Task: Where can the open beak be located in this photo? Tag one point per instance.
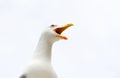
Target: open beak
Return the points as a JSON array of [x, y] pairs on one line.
[[59, 30]]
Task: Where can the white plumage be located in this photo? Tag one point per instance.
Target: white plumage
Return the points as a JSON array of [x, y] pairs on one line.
[[40, 65]]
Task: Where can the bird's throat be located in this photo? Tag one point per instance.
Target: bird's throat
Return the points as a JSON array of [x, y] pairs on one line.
[[43, 50]]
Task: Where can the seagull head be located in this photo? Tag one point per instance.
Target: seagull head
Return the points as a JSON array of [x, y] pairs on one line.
[[54, 32]]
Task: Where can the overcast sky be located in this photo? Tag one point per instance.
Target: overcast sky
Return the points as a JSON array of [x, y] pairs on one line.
[[93, 48]]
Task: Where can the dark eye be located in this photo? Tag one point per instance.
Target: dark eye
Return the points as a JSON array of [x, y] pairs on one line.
[[53, 25]]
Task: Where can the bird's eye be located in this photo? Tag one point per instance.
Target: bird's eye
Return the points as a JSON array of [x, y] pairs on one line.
[[53, 25]]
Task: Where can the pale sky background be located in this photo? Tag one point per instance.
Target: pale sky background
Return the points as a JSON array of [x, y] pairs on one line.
[[93, 48]]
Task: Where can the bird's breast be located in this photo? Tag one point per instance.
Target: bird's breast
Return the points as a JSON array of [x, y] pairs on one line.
[[40, 70]]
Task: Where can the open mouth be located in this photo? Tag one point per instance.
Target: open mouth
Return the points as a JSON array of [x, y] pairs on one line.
[[59, 31]]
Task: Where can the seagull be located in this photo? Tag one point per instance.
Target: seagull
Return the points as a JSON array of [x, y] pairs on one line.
[[40, 65]]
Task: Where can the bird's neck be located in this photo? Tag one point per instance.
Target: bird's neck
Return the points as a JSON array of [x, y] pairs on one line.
[[43, 50]]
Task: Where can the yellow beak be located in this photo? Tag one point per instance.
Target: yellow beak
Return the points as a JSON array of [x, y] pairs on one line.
[[59, 30]]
